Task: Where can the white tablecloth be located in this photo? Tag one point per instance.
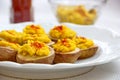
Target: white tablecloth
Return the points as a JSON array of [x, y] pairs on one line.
[[110, 18]]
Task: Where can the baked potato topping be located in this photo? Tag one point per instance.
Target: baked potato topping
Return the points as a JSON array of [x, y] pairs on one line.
[[34, 48], [39, 37], [14, 46], [33, 29], [64, 45], [11, 36], [83, 43], [62, 31]]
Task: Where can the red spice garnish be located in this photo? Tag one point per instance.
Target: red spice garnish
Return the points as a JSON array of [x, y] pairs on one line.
[[82, 37], [9, 32], [59, 28], [13, 42], [64, 42], [37, 44], [34, 27]]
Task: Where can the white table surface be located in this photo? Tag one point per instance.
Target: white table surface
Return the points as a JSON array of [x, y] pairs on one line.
[[110, 18]]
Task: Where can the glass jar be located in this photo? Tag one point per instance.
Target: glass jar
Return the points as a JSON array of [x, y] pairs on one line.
[[21, 11]]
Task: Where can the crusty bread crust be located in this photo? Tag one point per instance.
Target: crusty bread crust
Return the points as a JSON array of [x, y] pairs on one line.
[[50, 43], [28, 59], [86, 53], [69, 57], [7, 54], [53, 39]]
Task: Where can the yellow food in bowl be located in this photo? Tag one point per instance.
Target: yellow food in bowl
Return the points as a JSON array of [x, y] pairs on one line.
[[60, 32], [34, 48], [39, 37], [64, 45], [4, 43], [33, 29], [11, 36], [83, 43], [76, 14]]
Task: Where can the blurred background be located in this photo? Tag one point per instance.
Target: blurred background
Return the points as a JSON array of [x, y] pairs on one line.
[[43, 13]]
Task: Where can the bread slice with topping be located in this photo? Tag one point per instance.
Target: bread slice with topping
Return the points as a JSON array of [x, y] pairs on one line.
[[87, 47], [8, 51], [89, 52], [68, 57], [66, 51], [35, 52], [7, 54], [61, 32]]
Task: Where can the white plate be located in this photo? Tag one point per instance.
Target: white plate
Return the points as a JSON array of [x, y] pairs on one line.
[[109, 50]]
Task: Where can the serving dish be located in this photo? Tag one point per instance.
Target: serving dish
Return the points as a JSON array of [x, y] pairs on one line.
[[83, 12], [109, 50]]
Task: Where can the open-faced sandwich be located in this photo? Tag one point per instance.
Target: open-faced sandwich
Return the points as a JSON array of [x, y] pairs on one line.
[[87, 47], [35, 52], [66, 51], [61, 32], [8, 50], [36, 32]]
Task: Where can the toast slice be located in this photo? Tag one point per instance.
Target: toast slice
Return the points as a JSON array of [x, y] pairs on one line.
[[36, 59], [69, 57], [7, 54], [86, 53]]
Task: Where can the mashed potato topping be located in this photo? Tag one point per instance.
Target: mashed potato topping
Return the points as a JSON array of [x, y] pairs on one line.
[[60, 32], [9, 44], [83, 43], [33, 29], [39, 37], [34, 48], [11, 35], [64, 45]]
